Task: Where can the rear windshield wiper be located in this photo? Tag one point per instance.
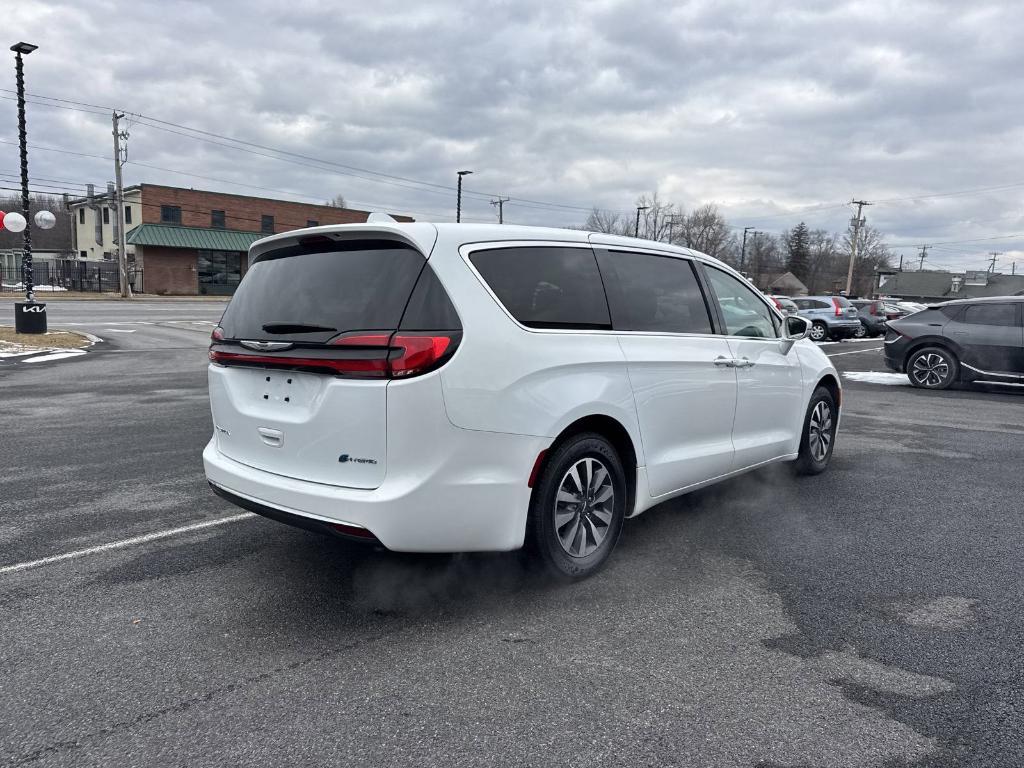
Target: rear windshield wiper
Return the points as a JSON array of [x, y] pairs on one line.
[[296, 328]]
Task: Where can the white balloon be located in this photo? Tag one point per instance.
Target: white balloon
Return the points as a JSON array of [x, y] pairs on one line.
[[45, 220], [15, 222]]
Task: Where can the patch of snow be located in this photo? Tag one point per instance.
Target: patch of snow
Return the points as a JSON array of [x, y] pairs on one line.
[[56, 356], [878, 377]]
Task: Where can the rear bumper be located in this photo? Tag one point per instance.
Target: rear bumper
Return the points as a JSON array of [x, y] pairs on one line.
[[474, 497], [844, 329]]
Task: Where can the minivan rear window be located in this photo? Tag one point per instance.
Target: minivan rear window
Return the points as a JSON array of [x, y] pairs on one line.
[[546, 286], [312, 294]]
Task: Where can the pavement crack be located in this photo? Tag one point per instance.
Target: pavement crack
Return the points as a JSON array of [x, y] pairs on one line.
[[186, 704]]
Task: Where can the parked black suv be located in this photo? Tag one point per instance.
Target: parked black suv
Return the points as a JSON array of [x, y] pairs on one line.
[[968, 340]]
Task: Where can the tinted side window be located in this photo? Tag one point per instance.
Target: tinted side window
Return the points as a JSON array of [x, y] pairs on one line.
[[546, 286], [653, 293], [429, 308], [745, 314], [991, 314]]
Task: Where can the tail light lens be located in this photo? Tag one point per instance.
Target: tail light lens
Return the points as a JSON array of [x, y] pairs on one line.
[[378, 355]]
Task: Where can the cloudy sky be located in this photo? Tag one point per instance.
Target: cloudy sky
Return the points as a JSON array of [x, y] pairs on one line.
[[775, 111]]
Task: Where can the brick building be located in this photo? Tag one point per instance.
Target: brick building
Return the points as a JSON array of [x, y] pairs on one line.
[[189, 241]]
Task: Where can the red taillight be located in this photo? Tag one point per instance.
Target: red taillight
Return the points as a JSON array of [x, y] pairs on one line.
[[366, 355], [838, 306]]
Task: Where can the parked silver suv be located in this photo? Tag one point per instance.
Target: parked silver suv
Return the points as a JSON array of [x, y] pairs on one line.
[[832, 317]]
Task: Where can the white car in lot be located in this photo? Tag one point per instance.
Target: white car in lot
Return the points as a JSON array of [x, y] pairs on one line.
[[440, 388]]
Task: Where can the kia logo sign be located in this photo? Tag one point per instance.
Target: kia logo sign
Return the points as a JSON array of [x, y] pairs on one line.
[[34, 308]]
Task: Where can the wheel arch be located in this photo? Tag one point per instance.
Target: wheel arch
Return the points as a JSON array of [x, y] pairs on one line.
[[616, 433]]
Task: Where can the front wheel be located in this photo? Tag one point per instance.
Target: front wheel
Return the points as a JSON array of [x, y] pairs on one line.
[[577, 508], [932, 368], [819, 331], [819, 433]]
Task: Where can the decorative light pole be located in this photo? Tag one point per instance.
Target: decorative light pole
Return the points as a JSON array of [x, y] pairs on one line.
[[458, 200], [29, 317]]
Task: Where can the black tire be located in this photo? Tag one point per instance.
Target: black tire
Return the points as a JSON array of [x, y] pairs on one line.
[[543, 540], [933, 368], [819, 331], [812, 460]]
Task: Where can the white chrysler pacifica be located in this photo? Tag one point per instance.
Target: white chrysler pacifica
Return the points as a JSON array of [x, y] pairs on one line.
[[440, 388]]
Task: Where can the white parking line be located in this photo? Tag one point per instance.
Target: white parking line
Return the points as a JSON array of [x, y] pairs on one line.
[[872, 349], [123, 543]]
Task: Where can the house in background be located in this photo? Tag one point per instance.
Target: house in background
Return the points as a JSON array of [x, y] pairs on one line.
[[189, 242], [930, 286]]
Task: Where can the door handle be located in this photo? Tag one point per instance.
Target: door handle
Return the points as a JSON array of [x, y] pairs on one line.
[[724, 362]]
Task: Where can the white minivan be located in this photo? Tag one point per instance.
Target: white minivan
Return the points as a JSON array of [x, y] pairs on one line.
[[455, 387]]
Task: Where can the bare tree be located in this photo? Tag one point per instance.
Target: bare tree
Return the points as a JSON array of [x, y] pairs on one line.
[[608, 222], [705, 229]]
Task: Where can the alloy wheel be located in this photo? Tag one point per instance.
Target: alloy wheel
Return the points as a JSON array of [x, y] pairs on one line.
[[930, 369], [819, 437], [584, 507]]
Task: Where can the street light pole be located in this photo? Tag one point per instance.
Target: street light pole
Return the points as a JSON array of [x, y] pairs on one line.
[[29, 317], [636, 229], [458, 201], [19, 76]]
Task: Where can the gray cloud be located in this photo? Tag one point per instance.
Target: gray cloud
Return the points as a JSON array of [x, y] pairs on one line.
[[766, 109]]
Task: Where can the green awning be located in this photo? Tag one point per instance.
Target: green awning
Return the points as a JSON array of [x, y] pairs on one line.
[[172, 236]]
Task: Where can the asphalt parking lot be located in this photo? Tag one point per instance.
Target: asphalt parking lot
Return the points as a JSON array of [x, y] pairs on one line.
[[868, 616]]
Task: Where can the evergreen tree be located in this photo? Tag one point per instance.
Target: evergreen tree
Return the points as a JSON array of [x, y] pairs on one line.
[[798, 243]]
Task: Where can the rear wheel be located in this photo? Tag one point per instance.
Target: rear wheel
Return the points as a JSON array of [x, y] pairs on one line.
[[819, 433], [932, 368], [577, 508], [819, 331]]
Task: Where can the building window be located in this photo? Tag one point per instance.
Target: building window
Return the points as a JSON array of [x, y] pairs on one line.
[[219, 272], [81, 215], [170, 214], [217, 219], [312, 223], [106, 215], [267, 224], [127, 214]]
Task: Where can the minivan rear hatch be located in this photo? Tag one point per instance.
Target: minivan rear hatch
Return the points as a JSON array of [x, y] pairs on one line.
[[305, 350]]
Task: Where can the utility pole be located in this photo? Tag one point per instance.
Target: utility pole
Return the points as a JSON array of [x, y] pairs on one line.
[[924, 254], [857, 223], [458, 199], [743, 250], [120, 157], [636, 229], [500, 202], [992, 266]]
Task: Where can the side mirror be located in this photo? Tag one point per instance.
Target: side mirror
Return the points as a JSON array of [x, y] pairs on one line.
[[794, 328], [797, 327]]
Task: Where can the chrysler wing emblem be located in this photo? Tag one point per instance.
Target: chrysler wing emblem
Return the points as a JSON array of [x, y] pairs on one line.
[[267, 346]]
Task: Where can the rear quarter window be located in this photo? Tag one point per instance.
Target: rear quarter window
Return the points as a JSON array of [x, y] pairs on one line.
[[546, 286]]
